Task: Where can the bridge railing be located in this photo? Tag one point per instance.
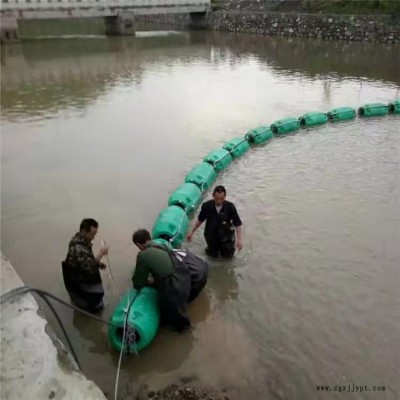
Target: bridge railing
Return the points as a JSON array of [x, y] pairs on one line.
[[12, 5]]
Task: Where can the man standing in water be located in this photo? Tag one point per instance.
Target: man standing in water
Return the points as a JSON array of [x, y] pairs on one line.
[[81, 274], [222, 219]]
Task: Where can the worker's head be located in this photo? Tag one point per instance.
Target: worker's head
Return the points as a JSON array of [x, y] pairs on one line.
[[219, 195], [141, 237], [88, 228]]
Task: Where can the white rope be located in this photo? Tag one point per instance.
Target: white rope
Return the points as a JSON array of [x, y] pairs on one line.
[[122, 350], [177, 233], [103, 243], [119, 364]]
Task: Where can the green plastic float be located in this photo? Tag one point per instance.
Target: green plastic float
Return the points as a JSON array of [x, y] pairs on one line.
[[171, 225], [143, 317], [373, 110], [259, 135], [203, 175], [313, 118], [285, 125], [341, 114], [219, 159], [187, 196], [237, 146], [394, 106]]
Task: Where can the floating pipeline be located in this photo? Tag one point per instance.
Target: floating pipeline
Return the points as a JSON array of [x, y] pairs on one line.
[[141, 324], [220, 159], [394, 107], [285, 125], [259, 135], [186, 196], [373, 110], [237, 146], [341, 114], [203, 175], [313, 119], [172, 224]]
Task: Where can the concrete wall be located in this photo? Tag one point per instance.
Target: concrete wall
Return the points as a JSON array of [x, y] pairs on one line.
[[34, 363], [376, 28]]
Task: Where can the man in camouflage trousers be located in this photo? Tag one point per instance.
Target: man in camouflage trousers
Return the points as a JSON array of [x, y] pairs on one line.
[[81, 268]]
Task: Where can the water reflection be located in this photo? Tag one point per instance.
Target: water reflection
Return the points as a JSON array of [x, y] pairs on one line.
[[50, 75], [313, 57]]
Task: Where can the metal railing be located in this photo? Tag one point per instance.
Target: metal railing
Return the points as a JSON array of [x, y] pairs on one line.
[[12, 5]]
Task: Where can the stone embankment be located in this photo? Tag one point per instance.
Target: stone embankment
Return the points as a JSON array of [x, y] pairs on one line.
[[252, 17], [376, 28]]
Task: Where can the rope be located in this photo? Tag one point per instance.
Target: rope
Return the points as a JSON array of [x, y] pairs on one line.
[[226, 155], [131, 338], [110, 277], [177, 232], [120, 358], [127, 310], [108, 262]]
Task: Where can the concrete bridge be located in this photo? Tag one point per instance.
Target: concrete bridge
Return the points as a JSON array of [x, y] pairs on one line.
[[119, 15]]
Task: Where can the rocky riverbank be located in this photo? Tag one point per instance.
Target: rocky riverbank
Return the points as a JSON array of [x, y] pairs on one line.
[[254, 17], [184, 389], [188, 392], [377, 28]]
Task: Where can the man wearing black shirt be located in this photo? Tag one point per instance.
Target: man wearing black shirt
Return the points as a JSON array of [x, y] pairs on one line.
[[221, 219]]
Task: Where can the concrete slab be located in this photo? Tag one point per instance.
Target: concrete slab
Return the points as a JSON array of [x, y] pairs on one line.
[[34, 363]]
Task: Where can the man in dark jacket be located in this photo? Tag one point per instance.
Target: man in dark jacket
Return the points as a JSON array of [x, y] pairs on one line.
[[158, 267], [81, 268], [178, 277], [222, 220]]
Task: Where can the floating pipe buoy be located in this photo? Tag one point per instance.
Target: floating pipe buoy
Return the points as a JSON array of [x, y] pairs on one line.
[[237, 146], [373, 109], [313, 118], [394, 107], [285, 125], [203, 175], [172, 225], [341, 114], [219, 159], [259, 135], [186, 196], [142, 321]]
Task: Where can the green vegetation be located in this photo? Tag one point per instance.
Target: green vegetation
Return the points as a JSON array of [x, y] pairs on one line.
[[352, 6]]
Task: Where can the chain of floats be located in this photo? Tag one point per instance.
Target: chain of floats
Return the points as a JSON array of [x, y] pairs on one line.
[[218, 160]]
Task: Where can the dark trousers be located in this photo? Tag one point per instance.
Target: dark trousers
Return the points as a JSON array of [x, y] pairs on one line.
[[86, 295], [174, 293], [198, 269], [220, 244]]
